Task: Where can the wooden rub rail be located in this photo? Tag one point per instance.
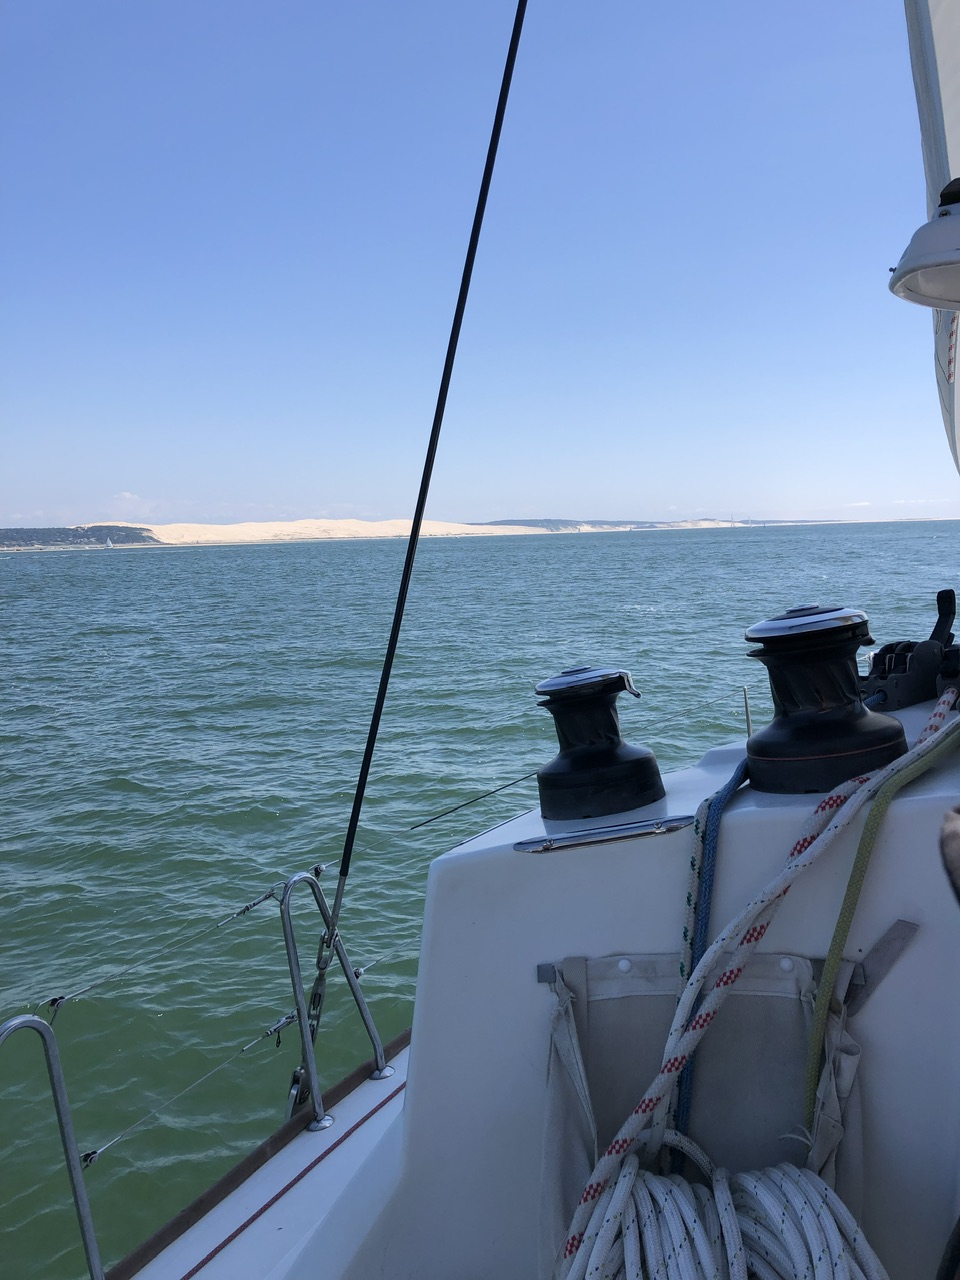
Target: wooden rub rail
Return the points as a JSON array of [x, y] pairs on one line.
[[135, 1261]]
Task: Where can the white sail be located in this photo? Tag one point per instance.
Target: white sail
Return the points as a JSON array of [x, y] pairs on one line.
[[934, 30]]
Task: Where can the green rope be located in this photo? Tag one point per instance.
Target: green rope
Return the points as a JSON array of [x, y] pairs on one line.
[[831, 966]]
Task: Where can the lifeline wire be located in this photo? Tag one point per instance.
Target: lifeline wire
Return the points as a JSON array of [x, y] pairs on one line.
[[177, 942], [473, 800], [417, 522], [55, 1003], [90, 1157]]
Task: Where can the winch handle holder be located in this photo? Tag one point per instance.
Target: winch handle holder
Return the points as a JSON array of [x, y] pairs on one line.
[[906, 672], [946, 616]]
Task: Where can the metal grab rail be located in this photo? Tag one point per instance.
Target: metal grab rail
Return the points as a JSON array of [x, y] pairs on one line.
[[382, 1071], [71, 1151]]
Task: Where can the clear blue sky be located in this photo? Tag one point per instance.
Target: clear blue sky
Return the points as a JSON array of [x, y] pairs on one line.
[[231, 234]]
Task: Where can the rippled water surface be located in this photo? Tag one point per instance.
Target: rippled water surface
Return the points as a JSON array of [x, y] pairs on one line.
[[182, 728]]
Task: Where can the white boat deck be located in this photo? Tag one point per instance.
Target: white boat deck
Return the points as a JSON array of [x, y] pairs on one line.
[[443, 1180]]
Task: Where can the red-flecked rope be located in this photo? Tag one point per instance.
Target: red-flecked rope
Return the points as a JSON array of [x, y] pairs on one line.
[[592, 1222]]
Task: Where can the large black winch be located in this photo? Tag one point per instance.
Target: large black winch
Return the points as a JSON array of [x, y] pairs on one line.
[[596, 772], [821, 733]]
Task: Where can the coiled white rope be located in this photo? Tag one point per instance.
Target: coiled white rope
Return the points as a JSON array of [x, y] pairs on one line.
[[778, 1224]]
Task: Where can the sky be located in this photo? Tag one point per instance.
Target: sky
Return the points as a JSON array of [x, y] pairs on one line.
[[231, 237]]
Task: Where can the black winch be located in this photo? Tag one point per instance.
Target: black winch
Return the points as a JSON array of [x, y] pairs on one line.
[[596, 772], [821, 733]]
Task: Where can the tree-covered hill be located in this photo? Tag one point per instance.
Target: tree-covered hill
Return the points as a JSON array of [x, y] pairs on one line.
[[81, 535]]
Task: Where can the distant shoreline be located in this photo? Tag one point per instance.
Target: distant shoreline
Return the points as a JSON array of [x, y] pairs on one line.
[[119, 535]]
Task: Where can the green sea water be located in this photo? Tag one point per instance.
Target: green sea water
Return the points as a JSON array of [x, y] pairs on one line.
[[181, 729]]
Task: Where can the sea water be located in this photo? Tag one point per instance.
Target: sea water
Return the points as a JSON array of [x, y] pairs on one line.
[[182, 729]]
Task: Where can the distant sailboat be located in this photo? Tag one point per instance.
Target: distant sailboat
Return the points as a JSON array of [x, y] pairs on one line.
[[109, 545]]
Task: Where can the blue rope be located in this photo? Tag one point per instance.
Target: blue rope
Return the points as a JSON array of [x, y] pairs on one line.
[[701, 933]]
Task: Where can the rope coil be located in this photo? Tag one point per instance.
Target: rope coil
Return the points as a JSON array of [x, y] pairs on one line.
[[781, 1222]]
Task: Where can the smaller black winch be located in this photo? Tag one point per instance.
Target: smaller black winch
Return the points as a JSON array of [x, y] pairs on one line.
[[596, 772], [821, 733]]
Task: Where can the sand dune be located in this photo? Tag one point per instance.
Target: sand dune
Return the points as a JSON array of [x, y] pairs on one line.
[[305, 530]]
